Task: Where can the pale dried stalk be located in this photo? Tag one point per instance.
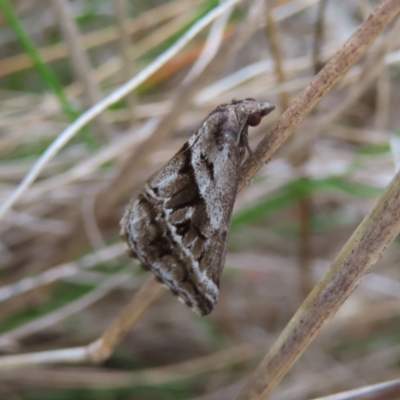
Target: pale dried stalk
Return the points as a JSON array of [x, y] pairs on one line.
[[103, 347]]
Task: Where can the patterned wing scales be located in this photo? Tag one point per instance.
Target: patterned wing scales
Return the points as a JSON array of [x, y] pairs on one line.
[[174, 230]]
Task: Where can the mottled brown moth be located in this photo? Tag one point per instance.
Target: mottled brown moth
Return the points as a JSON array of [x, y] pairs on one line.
[[178, 224]]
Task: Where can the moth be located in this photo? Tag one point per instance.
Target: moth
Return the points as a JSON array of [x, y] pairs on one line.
[[178, 224]]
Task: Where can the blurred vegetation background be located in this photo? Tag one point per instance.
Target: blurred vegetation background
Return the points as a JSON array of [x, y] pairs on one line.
[[64, 272]]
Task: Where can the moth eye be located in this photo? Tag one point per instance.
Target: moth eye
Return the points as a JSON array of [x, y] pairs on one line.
[[249, 98], [254, 118]]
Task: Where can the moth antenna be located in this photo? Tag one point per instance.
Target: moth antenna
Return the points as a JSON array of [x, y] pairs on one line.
[[248, 148], [241, 131]]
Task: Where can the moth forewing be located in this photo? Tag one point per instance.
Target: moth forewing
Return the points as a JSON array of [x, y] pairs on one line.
[[178, 224]]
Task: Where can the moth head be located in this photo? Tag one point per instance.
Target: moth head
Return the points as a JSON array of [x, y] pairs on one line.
[[251, 111]]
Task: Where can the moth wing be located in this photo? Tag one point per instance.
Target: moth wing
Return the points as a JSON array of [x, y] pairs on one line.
[[178, 226]]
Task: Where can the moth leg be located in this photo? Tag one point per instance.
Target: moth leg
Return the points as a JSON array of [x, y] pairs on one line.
[[251, 153]]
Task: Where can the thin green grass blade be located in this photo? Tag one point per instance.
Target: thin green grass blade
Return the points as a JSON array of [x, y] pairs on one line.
[[45, 72]]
